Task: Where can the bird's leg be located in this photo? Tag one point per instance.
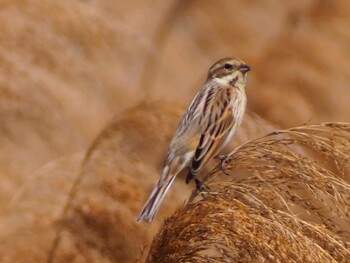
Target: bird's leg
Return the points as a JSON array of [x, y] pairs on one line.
[[221, 157], [200, 186]]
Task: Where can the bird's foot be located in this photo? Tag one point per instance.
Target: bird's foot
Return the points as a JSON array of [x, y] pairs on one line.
[[200, 187], [223, 169], [220, 157]]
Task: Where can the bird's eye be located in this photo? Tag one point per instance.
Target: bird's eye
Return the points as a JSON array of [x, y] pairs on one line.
[[228, 66]]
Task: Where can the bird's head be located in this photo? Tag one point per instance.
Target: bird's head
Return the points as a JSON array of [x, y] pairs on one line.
[[229, 71]]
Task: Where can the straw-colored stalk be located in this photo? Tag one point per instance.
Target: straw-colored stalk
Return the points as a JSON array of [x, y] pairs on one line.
[[286, 199]]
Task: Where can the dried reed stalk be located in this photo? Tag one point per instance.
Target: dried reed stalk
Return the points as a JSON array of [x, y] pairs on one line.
[[286, 199]]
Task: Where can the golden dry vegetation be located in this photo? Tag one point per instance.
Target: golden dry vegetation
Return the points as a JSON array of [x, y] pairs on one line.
[[280, 203], [91, 93]]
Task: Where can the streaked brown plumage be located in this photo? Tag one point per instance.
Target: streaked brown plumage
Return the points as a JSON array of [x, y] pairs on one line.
[[208, 125]]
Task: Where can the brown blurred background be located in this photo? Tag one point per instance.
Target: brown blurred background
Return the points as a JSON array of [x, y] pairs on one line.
[[69, 69]]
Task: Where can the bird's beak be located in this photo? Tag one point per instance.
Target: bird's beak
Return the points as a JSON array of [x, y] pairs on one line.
[[244, 68]]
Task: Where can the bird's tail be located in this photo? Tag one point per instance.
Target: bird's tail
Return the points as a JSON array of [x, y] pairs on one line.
[[153, 203]]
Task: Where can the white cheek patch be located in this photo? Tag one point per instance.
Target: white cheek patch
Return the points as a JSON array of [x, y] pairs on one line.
[[226, 80]]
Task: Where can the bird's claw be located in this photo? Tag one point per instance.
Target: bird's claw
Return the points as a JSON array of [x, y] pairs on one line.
[[200, 187], [223, 169], [220, 157]]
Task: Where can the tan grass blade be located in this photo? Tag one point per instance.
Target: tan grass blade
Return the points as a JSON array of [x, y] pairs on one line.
[[286, 199]]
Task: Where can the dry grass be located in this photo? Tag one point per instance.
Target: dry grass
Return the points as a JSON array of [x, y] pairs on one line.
[[285, 200], [118, 171], [68, 67], [85, 206]]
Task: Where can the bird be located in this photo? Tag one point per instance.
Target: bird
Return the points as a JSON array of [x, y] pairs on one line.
[[207, 126]]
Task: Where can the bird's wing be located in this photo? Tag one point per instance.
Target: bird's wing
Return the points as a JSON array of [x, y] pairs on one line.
[[217, 122]]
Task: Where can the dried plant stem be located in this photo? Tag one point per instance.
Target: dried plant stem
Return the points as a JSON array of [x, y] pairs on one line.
[[286, 199], [72, 194]]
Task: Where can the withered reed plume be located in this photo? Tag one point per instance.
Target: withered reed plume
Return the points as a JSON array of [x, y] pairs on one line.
[[286, 199], [107, 169]]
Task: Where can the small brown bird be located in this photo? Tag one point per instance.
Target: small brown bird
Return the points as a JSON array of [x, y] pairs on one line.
[[206, 128]]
